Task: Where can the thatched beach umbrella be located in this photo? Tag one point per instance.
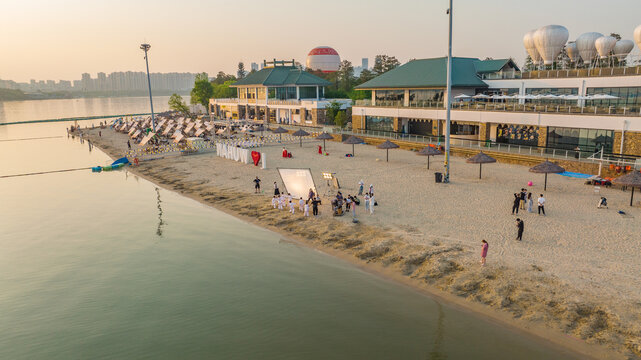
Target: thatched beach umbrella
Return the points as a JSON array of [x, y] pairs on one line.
[[300, 133], [481, 158], [353, 140], [632, 179], [324, 136], [429, 152], [280, 131], [546, 168], [386, 146]]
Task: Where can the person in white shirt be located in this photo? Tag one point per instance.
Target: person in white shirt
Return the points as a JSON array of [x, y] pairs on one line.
[[360, 187], [541, 202], [301, 204], [281, 202], [292, 209], [306, 211], [372, 202], [274, 201]]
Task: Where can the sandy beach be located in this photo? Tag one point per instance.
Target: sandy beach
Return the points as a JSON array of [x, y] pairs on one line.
[[575, 270]]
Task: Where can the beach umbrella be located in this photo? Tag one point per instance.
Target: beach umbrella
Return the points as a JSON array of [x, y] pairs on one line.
[[429, 152], [546, 168], [481, 158], [386, 146], [353, 140], [280, 131], [300, 133], [260, 128], [632, 179], [324, 136]]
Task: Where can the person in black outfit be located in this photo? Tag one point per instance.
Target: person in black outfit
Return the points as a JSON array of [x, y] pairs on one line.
[[128, 145], [315, 204], [515, 205], [276, 191], [519, 226], [256, 185]]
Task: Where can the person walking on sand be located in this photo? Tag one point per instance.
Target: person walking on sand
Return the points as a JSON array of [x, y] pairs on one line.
[[128, 145], [366, 202], [256, 185], [360, 187], [306, 210], [301, 204], [515, 204], [292, 208], [371, 190], [529, 202], [541, 202], [315, 204], [276, 191], [372, 203], [275, 201], [522, 195], [519, 227], [484, 248], [281, 202]]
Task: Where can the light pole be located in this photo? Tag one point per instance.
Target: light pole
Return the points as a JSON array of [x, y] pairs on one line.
[[145, 48], [448, 105]]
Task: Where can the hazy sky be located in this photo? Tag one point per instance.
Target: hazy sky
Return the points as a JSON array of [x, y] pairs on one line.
[[60, 39]]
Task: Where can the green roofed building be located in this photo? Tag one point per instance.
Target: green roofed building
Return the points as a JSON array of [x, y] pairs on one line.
[[281, 93], [493, 101]]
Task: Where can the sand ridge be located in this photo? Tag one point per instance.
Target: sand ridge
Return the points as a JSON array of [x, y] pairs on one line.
[[574, 271]]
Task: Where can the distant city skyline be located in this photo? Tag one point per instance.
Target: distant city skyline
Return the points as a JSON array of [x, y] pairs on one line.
[[112, 82], [56, 39]]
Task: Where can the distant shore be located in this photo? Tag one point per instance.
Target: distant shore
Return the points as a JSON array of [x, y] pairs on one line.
[[17, 95], [411, 244]]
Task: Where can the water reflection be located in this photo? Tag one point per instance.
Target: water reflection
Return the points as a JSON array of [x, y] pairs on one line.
[[160, 222], [437, 351]]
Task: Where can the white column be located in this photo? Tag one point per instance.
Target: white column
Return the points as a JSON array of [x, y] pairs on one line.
[[278, 115], [317, 93], [297, 92]]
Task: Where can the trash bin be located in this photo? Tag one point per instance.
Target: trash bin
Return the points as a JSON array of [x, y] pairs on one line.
[[438, 177]]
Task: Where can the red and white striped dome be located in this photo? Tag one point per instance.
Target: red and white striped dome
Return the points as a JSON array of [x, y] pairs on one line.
[[323, 58]]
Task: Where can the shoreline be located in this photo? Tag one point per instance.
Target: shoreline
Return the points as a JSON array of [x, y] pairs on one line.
[[435, 271]]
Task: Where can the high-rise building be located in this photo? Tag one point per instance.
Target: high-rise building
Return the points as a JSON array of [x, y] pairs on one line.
[[365, 63], [254, 66]]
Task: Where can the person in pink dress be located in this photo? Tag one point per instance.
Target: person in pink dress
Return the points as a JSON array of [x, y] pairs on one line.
[[484, 252]]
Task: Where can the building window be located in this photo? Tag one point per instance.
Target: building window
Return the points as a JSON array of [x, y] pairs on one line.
[[517, 135], [629, 97], [379, 123], [464, 129], [307, 92], [389, 97], [427, 98], [551, 91], [271, 93], [261, 93], [585, 139]]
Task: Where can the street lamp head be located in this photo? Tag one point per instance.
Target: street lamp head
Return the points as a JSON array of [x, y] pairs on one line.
[[145, 47]]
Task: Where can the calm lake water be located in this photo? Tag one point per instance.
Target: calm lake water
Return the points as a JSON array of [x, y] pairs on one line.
[[108, 266]]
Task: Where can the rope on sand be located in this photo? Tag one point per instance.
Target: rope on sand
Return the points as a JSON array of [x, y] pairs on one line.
[[44, 172], [34, 138]]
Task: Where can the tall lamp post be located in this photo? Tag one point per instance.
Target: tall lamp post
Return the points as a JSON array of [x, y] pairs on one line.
[[145, 48], [448, 100]]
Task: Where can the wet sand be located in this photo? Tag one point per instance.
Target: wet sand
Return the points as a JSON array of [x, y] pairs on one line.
[[575, 271]]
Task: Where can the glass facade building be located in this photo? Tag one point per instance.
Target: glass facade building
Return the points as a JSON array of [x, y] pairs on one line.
[[379, 123], [629, 97], [427, 97], [389, 97], [586, 139]]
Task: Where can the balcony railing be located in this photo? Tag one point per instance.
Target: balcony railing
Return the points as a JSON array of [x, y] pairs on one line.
[[565, 73], [516, 107]]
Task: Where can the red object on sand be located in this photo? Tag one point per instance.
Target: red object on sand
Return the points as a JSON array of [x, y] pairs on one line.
[[289, 155], [320, 149], [256, 157], [284, 153]]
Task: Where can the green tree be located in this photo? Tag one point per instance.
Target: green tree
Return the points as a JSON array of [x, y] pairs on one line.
[[346, 76], [224, 91], [241, 72], [366, 75], [529, 64], [384, 63], [221, 77], [202, 91], [340, 119], [331, 110], [176, 103]]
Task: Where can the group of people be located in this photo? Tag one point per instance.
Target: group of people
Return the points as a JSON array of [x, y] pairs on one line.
[[282, 200], [523, 199]]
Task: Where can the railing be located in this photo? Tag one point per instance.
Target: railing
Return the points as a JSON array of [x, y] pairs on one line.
[[516, 107], [564, 73], [283, 102], [561, 154]]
